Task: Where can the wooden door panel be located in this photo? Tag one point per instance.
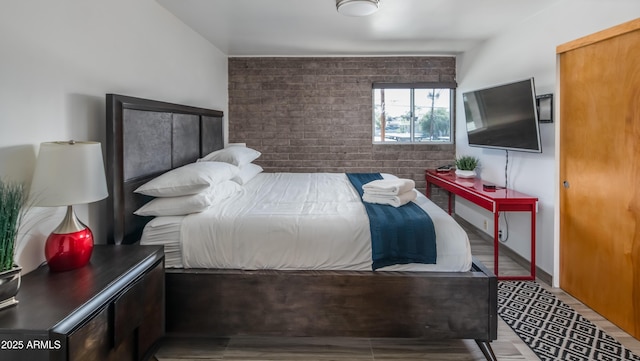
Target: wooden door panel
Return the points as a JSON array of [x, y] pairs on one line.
[[600, 160]]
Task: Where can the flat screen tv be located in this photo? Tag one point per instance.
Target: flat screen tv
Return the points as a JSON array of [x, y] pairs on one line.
[[503, 117]]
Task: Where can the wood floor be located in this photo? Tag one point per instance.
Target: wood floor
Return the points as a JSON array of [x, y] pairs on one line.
[[508, 346]]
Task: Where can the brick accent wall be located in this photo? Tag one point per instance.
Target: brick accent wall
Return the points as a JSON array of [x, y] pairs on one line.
[[315, 114]]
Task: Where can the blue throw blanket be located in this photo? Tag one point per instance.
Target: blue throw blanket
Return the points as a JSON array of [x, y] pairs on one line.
[[398, 235]]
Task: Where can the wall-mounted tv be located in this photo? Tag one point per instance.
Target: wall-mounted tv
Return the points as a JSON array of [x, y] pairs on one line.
[[503, 117]]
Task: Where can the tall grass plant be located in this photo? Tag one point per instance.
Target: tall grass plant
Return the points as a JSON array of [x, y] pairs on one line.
[[12, 201]]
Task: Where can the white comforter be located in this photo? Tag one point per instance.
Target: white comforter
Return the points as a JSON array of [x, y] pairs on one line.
[[310, 221]]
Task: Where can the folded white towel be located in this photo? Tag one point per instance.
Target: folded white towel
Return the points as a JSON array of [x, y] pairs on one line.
[[390, 187], [396, 201]]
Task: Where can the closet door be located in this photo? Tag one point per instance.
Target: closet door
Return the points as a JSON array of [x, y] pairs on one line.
[[599, 155]]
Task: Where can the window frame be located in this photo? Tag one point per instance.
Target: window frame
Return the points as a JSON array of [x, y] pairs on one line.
[[451, 86]]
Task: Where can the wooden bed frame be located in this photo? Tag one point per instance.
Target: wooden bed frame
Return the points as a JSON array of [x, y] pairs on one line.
[[146, 138]]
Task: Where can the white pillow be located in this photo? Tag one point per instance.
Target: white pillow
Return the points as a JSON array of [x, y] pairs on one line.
[[193, 203], [188, 179], [175, 206], [247, 172], [236, 155]]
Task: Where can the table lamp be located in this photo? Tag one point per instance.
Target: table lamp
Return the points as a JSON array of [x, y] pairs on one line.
[[68, 173]]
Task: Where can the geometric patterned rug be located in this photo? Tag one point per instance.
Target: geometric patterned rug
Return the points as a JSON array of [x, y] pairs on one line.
[[551, 328]]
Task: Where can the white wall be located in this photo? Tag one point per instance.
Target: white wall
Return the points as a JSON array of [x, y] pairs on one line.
[[59, 59], [528, 49]]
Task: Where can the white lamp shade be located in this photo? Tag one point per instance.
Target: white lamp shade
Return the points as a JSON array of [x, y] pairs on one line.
[[357, 7], [68, 173]]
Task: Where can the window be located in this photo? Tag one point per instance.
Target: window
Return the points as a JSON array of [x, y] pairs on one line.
[[413, 113]]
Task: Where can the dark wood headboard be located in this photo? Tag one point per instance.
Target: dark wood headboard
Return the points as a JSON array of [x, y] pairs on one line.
[[146, 138]]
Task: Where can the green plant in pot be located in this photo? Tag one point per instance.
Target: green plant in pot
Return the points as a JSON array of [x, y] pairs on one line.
[[466, 166], [12, 202]]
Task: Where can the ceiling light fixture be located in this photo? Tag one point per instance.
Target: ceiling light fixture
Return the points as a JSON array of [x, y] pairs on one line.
[[357, 7]]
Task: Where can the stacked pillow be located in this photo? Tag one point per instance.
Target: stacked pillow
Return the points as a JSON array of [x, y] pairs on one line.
[[239, 156], [194, 187], [189, 189]]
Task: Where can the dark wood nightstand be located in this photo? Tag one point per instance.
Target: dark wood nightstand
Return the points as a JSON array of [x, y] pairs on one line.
[[111, 309]]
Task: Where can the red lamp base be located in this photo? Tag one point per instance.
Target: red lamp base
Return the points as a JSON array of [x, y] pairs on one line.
[[67, 251]]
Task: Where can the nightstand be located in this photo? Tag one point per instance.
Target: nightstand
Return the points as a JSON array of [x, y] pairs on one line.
[[111, 309]]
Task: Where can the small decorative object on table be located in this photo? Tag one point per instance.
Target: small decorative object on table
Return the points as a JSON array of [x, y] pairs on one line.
[[12, 201], [466, 166], [444, 168], [69, 173]]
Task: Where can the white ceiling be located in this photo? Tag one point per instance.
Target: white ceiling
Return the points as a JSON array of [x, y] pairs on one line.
[[314, 28]]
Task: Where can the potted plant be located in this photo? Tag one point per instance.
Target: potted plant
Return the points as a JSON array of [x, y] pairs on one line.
[[466, 166], [12, 202]]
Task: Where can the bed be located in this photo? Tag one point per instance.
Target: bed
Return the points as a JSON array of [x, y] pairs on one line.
[[146, 138]]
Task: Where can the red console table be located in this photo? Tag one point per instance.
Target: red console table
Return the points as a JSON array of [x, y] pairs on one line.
[[495, 201]]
